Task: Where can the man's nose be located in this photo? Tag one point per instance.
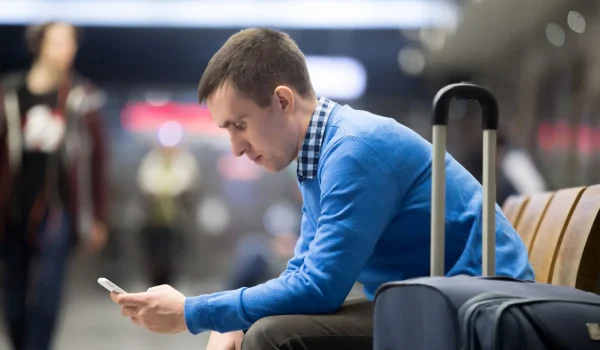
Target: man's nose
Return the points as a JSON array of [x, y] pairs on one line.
[[238, 146]]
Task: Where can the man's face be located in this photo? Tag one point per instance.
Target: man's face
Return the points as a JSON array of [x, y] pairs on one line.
[[268, 136], [59, 46]]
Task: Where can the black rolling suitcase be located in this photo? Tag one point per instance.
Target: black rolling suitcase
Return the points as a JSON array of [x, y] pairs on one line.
[[479, 313]]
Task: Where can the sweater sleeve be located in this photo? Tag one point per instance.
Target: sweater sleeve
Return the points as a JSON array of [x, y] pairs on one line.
[[300, 250], [359, 194]]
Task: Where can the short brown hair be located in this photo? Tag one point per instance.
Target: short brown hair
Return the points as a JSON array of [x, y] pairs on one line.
[[35, 35], [256, 61]]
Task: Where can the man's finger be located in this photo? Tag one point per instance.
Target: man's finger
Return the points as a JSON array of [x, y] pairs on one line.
[[130, 311], [131, 299], [156, 288], [114, 296]]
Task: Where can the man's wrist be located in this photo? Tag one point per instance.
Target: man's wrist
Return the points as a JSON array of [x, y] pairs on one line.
[[197, 315]]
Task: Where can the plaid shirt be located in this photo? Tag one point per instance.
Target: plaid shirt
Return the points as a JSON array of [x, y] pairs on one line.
[[308, 157]]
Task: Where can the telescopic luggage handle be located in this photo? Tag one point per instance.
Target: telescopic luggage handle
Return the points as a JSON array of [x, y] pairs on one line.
[[489, 108]]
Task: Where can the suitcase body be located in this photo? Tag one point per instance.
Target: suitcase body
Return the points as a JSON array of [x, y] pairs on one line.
[[479, 313], [484, 313]]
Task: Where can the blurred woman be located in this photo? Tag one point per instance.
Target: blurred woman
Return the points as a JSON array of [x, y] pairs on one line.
[[52, 181]]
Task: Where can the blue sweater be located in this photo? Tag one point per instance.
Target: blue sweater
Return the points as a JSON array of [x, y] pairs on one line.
[[366, 218]]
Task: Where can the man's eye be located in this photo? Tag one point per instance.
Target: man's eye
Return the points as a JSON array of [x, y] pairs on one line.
[[239, 126]]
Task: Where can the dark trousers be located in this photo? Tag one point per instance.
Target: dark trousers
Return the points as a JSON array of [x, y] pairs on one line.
[[160, 243], [350, 328], [32, 296]]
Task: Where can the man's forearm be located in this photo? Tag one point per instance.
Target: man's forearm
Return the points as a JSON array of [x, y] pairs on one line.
[[294, 293]]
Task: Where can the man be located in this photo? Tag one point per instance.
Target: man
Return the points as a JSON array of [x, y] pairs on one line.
[[52, 181], [366, 187]]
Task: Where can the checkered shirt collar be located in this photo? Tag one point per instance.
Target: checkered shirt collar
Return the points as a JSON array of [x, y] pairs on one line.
[[308, 157]]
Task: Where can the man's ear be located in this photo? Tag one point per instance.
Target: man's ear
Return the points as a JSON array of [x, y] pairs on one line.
[[284, 98]]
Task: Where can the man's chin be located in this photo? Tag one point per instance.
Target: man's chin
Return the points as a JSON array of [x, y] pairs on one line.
[[271, 169]]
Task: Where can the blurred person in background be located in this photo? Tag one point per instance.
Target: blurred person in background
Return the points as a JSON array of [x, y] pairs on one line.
[[517, 172], [258, 257], [52, 181], [168, 178]]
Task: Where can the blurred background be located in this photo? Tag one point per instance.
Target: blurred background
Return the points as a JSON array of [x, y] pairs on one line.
[[539, 57]]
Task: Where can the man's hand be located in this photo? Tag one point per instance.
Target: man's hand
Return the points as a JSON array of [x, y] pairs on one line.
[[97, 238], [225, 341], [159, 310]]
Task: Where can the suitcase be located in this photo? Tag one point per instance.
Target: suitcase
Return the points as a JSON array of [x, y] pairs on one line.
[[478, 312]]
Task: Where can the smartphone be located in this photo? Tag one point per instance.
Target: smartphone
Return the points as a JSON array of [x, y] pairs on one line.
[[111, 287]]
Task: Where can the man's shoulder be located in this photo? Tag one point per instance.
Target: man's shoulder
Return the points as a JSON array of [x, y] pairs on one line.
[[365, 132], [352, 162], [343, 145], [360, 137], [351, 153], [356, 120], [372, 129]]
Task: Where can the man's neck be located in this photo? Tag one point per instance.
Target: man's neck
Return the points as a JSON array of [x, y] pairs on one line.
[[42, 79], [306, 111]]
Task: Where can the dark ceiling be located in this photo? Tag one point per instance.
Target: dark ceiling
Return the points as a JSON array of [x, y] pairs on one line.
[[179, 56]]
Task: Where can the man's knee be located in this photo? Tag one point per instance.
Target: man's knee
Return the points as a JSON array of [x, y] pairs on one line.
[[269, 333]]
